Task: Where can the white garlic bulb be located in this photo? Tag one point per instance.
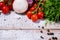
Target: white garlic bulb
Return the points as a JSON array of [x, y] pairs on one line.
[[1, 0], [20, 6]]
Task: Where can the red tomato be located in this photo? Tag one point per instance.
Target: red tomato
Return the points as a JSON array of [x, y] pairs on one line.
[[12, 1], [35, 5], [40, 8], [10, 5], [36, 0], [2, 4], [40, 15], [29, 14], [34, 17], [5, 1], [5, 9], [32, 9]]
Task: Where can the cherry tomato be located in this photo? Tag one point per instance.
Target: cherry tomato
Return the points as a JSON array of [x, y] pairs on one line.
[[10, 5], [34, 17], [12, 1], [5, 9], [40, 15], [2, 4], [29, 14], [36, 0], [32, 9], [5, 1], [40, 8], [35, 5]]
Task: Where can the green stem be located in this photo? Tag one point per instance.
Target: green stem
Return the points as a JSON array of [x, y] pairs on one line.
[[37, 7]]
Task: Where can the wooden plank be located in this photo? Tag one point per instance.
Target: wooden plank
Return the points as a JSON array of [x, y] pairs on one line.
[[28, 34], [28, 29], [15, 21]]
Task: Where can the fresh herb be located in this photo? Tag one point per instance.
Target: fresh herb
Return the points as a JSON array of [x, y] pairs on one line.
[[51, 9]]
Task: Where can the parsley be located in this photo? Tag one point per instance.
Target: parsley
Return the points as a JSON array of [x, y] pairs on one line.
[[51, 9]]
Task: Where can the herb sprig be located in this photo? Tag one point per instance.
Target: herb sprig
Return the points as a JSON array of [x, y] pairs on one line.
[[52, 10]]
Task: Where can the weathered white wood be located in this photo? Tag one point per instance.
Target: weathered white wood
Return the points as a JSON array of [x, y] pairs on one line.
[[20, 21], [27, 34], [19, 27], [19, 35]]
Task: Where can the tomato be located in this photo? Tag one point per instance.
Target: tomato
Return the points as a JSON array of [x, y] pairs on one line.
[[12, 1], [5, 9], [36, 0], [35, 5], [29, 14], [10, 5], [40, 15], [5, 1], [2, 4], [40, 8], [34, 17], [32, 8]]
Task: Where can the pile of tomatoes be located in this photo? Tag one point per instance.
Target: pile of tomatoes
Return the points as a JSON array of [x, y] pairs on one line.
[[33, 15], [6, 6]]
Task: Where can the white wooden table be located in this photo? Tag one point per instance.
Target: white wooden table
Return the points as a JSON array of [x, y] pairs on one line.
[[19, 27]]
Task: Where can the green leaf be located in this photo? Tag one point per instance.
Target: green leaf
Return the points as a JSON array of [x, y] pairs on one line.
[[52, 10]]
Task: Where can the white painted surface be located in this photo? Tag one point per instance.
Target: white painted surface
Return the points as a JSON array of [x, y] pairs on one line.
[[17, 21], [19, 35], [27, 35]]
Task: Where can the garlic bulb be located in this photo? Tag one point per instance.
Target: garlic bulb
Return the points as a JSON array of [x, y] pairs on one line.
[[20, 6], [1, 0]]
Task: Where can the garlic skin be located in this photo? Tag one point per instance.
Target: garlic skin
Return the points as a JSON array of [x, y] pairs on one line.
[[20, 6], [1, 0]]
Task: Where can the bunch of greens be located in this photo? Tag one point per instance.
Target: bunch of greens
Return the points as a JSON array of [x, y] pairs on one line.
[[51, 9]]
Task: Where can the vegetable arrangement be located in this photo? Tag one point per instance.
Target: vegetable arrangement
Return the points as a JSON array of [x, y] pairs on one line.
[[37, 9], [6, 6], [50, 10]]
